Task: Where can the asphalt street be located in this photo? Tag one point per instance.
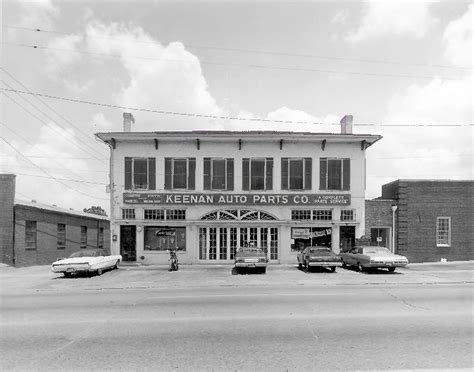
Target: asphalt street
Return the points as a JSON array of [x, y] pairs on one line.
[[80, 325]]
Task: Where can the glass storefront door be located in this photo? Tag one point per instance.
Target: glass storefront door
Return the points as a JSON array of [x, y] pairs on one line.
[[220, 243]]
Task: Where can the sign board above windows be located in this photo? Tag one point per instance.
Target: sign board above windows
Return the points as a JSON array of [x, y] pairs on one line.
[[236, 199]]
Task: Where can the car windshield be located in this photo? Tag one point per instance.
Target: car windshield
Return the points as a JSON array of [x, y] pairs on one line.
[[87, 253], [319, 250]]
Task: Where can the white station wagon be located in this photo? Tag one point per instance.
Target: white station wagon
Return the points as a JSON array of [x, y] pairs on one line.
[[86, 261]]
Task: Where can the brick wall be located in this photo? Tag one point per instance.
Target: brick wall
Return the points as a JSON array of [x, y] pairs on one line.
[[7, 198], [378, 213], [420, 203], [46, 248]]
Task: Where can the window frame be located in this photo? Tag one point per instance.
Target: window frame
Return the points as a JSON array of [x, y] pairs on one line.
[[325, 170], [267, 176], [83, 241], [128, 214], [448, 232], [170, 173], [130, 173], [31, 235], [61, 237], [306, 173], [209, 176]]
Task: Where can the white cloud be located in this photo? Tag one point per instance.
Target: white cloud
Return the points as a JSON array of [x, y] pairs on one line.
[[61, 52], [101, 122], [389, 17], [37, 13], [458, 39]]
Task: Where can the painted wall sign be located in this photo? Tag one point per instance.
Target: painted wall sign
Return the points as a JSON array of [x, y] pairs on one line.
[[236, 199], [300, 233]]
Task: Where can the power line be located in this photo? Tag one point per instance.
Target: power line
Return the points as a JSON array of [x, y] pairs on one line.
[[44, 122], [45, 172], [64, 179], [221, 117], [268, 67], [86, 135], [243, 50]]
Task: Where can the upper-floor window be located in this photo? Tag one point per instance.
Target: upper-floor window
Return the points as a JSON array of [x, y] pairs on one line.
[[296, 173], [180, 173], [83, 236], [165, 214], [309, 214], [218, 174], [61, 236], [140, 173], [443, 231], [334, 174], [257, 174], [30, 234]]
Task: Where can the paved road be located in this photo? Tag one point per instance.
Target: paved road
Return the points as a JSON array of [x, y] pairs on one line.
[[279, 328]]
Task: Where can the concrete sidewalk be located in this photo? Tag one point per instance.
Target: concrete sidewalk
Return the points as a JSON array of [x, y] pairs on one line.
[[40, 278]]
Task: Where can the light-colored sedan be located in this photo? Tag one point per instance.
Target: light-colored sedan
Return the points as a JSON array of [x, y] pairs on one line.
[[251, 258], [318, 257], [86, 261], [368, 257]]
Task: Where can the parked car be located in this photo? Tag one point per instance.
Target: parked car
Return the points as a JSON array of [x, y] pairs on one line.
[[318, 257], [86, 261], [251, 257], [369, 257]]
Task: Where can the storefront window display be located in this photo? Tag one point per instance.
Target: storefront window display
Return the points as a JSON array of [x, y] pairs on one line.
[[310, 236], [162, 238]]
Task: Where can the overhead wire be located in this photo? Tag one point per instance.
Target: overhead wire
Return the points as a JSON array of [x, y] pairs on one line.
[[254, 51], [222, 117], [256, 66]]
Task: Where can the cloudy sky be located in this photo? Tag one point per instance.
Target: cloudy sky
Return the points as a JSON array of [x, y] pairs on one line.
[[403, 69]]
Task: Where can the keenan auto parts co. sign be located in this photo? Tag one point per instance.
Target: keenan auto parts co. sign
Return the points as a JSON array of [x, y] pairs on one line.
[[236, 199]]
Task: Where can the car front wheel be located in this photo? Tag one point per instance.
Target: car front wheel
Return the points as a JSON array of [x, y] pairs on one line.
[[99, 272], [391, 269], [360, 267], [333, 269]]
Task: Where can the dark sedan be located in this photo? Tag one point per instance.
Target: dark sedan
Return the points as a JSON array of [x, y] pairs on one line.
[[318, 257]]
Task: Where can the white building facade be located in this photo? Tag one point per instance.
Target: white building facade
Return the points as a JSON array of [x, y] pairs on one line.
[[210, 192]]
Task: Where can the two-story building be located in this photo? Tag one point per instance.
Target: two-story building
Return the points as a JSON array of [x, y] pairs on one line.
[[210, 192]]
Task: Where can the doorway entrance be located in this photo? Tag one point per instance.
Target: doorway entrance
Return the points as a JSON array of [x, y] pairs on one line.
[[128, 242], [380, 236], [346, 237], [221, 243]]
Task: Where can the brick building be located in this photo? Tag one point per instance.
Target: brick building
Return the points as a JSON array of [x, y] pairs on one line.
[[210, 192], [434, 219], [32, 233]]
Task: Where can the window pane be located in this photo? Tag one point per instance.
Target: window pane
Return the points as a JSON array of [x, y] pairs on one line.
[[140, 173], [180, 174], [296, 174], [257, 171], [334, 174], [218, 174], [30, 234]]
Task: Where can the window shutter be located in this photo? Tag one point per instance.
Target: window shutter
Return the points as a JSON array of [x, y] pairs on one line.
[[192, 173], [308, 165], [207, 173], [245, 174], [284, 173], [346, 174], [151, 174], [323, 170], [230, 174], [128, 173], [168, 185], [269, 174]]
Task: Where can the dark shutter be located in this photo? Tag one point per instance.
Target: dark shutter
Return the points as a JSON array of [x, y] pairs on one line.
[[346, 174], [151, 174], [269, 174], [284, 173], [230, 174], [308, 165], [128, 173], [207, 173], [245, 174], [168, 185], [323, 169], [192, 173]]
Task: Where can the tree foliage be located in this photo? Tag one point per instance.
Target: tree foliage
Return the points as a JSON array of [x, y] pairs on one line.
[[96, 210]]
